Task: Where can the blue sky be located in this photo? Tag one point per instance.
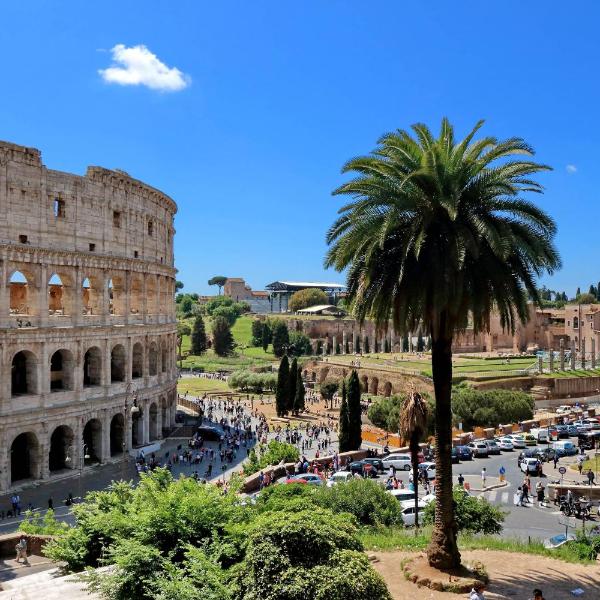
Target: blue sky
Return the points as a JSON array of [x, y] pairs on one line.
[[271, 98]]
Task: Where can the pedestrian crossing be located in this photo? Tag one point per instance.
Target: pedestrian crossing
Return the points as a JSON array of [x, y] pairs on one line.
[[498, 497]]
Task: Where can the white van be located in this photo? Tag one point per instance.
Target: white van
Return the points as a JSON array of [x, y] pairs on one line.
[[565, 448], [401, 462], [540, 434]]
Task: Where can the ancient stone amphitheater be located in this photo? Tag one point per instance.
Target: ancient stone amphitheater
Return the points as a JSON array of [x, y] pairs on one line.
[[87, 321]]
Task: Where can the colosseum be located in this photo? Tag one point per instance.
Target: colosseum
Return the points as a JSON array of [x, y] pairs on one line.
[[87, 318]]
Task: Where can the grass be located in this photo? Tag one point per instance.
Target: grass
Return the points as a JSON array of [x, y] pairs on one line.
[[199, 385], [390, 539]]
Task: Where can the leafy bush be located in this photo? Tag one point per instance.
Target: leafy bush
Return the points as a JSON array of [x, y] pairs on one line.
[[224, 306], [307, 297], [299, 344], [223, 343], [254, 382], [265, 455], [328, 388], [474, 515]]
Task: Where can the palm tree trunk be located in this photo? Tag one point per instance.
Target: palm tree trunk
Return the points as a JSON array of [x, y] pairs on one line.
[[443, 549], [414, 458]]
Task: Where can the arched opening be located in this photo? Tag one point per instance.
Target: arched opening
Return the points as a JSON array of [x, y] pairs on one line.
[[59, 297], [374, 386], [92, 439], [364, 380], [92, 367], [117, 435], [116, 298], [136, 295], [153, 421], [91, 293], [61, 371], [19, 294], [24, 457], [137, 361], [61, 449], [117, 364], [163, 358], [23, 373], [153, 359], [136, 428], [387, 389]]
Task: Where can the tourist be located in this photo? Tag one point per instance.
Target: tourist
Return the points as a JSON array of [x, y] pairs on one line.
[[540, 491], [525, 489], [461, 480], [21, 549], [580, 461], [483, 476], [477, 591], [590, 476], [555, 459]]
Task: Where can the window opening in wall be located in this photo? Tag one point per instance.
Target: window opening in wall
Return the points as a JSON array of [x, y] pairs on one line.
[[161, 259], [116, 219], [19, 294], [23, 239], [135, 254], [56, 293], [92, 247], [150, 228], [59, 208]]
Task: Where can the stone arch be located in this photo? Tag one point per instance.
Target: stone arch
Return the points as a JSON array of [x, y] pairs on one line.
[[117, 363], [24, 369], [60, 294], [92, 367], [153, 359], [374, 386], [387, 388], [136, 295], [117, 435], [62, 365], [163, 357], [25, 457], [92, 439], [153, 421], [364, 380], [60, 455], [21, 296], [116, 295], [91, 295], [137, 361]]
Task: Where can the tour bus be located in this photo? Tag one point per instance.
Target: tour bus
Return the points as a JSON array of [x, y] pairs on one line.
[[540, 434]]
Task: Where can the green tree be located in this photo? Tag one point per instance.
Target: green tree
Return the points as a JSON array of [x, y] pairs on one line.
[[178, 285], [267, 335], [217, 280], [280, 337], [586, 299], [354, 412], [307, 297], [597, 291], [328, 388], [257, 333], [405, 345], [223, 343], [366, 348], [300, 393], [437, 234], [198, 337], [420, 342], [412, 427], [292, 383], [282, 390], [183, 329], [344, 427], [578, 293], [299, 344], [186, 305]]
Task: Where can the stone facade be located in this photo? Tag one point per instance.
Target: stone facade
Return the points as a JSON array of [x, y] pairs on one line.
[[87, 318]]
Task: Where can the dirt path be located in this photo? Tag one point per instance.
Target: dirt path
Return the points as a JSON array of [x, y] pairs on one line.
[[512, 576]]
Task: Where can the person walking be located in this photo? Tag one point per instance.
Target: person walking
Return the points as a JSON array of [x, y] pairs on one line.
[[555, 459], [525, 490], [461, 480], [477, 591], [21, 550], [580, 461], [540, 491], [483, 476], [590, 476]]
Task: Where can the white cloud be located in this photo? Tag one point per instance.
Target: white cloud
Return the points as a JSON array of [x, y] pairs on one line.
[[571, 169], [138, 66]]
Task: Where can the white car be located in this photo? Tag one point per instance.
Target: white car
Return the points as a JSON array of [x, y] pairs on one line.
[[402, 495], [530, 465], [407, 511], [339, 477], [518, 441], [479, 448], [399, 461], [506, 443]]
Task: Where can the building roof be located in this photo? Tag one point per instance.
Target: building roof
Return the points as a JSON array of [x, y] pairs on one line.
[[300, 285], [319, 308]]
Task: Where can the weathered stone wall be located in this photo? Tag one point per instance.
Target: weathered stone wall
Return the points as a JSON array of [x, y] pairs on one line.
[[87, 316]]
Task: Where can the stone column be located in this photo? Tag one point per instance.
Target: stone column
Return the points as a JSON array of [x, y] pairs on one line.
[[146, 423], [583, 353], [159, 423], [551, 360], [105, 450], [127, 292], [562, 354], [344, 341], [334, 347], [144, 307], [105, 375], [43, 296], [410, 342], [105, 302], [77, 291], [572, 355], [540, 364], [78, 375], [593, 352], [43, 370], [4, 294], [353, 342]]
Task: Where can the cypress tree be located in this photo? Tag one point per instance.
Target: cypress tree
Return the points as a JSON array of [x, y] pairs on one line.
[[299, 396], [598, 291], [280, 337], [281, 392], [405, 344], [198, 341], [257, 333], [354, 412], [420, 342], [344, 422], [292, 380], [223, 343], [578, 293]]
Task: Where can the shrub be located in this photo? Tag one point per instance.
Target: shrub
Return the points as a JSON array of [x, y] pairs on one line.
[[307, 297], [223, 343], [253, 382], [299, 344], [266, 455]]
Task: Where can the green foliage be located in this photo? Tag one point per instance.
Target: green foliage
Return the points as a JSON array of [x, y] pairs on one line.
[[300, 393], [199, 344], [258, 383], [47, 524], [586, 299], [266, 455], [282, 389], [475, 515], [257, 332], [490, 407], [217, 280], [223, 343], [299, 344], [223, 306], [405, 344], [291, 385], [344, 427], [307, 297], [354, 412], [585, 547], [328, 388], [279, 336], [420, 342]]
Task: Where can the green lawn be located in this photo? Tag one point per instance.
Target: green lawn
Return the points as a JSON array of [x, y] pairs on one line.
[[199, 385]]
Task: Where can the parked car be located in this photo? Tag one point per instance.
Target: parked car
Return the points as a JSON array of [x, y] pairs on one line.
[[464, 452], [339, 477], [493, 447], [455, 456], [479, 449], [563, 431], [573, 431], [362, 468], [530, 440], [377, 463], [531, 465], [402, 495], [517, 439], [505, 444], [408, 511], [429, 468], [399, 461], [308, 478]]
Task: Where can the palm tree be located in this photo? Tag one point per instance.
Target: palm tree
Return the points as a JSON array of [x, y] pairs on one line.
[[437, 234], [412, 426]]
